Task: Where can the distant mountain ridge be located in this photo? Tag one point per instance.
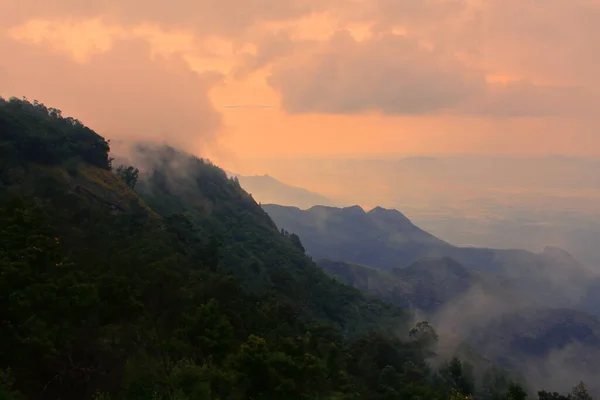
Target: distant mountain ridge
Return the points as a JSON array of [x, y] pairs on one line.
[[353, 235], [386, 239], [176, 285], [534, 305], [267, 189]]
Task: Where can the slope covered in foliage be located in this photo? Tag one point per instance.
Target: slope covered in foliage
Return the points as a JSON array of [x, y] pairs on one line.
[[265, 259], [188, 293], [380, 238], [492, 300], [425, 285], [386, 239]]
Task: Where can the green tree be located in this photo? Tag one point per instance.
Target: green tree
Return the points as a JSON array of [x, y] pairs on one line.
[[456, 395], [128, 174], [424, 334], [494, 384], [198, 297], [458, 376], [580, 392], [516, 392], [295, 239], [6, 386], [544, 395]]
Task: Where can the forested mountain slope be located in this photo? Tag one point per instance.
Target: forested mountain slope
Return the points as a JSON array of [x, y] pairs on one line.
[[97, 287], [516, 308], [386, 239], [380, 238], [187, 292], [260, 255], [425, 285]]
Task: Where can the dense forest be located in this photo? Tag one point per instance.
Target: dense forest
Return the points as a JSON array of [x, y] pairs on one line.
[[170, 283]]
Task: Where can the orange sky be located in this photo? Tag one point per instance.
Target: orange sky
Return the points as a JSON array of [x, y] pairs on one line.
[[333, 77]]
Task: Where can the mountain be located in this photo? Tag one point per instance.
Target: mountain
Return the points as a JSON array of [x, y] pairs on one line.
[[251, 245], [380, 238], [170, 282], [518, 309], [266, 189], [550, 346], [425, 285], [386, 239]]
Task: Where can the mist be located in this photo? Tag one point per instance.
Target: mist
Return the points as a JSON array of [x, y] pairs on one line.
[[475, 119], [493, 323], [532, 312], [500, 202]]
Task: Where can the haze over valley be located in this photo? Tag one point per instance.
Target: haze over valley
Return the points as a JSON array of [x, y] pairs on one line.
[[299, 199], [503, 202]]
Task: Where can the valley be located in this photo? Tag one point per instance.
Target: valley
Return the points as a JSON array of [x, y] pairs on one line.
[[165, 279]]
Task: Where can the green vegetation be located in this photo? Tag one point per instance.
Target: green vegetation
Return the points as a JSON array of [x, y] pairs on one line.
[[34, 132], [266, 261], [523, 311], [426, 285], [187, 292], [128, 174]]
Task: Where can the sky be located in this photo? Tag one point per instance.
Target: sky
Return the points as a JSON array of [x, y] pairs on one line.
[[241, 80]]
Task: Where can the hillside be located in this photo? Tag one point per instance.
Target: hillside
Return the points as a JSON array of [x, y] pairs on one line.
[[252, 248], [386, 239], [425, 286], [187, 292], [515, 308], [380, 238], [145, 294], [550, 346]]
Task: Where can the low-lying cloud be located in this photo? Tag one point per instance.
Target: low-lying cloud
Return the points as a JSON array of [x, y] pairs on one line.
[[124, 93], [393, 74], [473, 60], [229, 18], [396, 74]]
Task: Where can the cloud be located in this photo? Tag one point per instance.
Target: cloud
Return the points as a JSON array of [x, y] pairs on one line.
[[565, 367], [250, 106], [215, 17], [395, 74], [553, 39], [124, 93], [431, 18], [269, 47], [419, 58], [523, 98]]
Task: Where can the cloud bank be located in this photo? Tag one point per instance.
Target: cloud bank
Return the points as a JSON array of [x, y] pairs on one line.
[[162, 62]]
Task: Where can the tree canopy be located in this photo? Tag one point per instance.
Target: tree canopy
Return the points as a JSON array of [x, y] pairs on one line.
[[187, 292]]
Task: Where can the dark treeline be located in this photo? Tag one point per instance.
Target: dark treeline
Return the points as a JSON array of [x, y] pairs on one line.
[[108, 295]]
